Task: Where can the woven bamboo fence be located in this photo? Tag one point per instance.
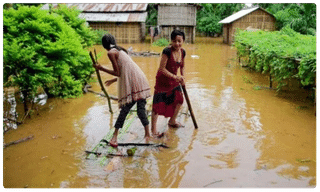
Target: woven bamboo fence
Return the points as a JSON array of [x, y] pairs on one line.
[[188, 30], [123, 32], [183, 15], [177, 16]]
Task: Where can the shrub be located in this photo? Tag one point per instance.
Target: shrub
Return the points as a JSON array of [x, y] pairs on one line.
[[163, 42], [71, 16], [98, 34], [284, 54], [41, 51]]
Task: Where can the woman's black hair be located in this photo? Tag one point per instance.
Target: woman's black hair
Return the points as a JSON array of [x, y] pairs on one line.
[[177, 32], [108, 42]]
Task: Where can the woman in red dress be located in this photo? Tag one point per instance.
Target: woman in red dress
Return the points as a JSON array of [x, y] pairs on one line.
[[168, 98]]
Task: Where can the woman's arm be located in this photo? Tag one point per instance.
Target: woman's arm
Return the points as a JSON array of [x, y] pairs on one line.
[[109, 82], [182, 70], [113, 58]]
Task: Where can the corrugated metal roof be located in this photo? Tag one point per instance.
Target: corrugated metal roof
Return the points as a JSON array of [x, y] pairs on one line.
[[105, 7], [115, 17], [238, 15]]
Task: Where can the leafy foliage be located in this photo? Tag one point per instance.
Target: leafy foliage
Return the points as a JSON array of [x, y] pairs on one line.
[[152, 18], [98, 34], [41, 51], [71, 16], [211, 13], [163, 42], [284, 54], [300, 17]]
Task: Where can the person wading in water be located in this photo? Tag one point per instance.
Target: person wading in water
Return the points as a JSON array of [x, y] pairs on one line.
[[168, 98], [133, 86]]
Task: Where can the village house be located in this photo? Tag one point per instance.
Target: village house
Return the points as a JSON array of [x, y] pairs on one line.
[[250, 19], [178, 16], [125, 21]]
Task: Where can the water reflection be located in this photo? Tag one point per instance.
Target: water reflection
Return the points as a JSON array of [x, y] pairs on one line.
[[10, 117]]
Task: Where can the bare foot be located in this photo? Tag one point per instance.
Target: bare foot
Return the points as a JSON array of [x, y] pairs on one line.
[[175, 125], [147, 139], [113, 142], [157, 135]]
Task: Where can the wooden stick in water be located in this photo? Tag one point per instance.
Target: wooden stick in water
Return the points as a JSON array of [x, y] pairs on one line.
[[17, 141], [189, 106], [139, 144], [100, 82]]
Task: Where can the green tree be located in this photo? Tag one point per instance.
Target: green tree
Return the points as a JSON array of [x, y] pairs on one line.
[[152, 18], [41, 51], [210, 14], [71, 16]]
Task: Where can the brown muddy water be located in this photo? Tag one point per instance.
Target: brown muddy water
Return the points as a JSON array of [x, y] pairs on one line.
[[247, 136]]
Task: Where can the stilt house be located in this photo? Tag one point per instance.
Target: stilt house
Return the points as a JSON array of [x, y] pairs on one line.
[[125, 21], [254, 18], [178, 16]]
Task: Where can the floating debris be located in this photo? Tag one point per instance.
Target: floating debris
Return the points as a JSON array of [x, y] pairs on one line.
[[195, 56], [142, 53]]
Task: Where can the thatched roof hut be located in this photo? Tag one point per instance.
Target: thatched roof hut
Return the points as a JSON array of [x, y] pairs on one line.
[[178, 15], [254, 18], [125, 21]]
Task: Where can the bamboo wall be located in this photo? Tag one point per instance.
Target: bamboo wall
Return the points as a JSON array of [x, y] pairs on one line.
[[182, 15], [258, 19], [123, 32], [189, 32]]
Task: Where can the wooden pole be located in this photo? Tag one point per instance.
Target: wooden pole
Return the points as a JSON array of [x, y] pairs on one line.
[[17, 141], [100, 82], [189, 106]]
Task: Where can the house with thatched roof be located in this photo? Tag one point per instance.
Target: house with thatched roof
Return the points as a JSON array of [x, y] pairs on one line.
[[180, 16], [125, 21], [254, 18]]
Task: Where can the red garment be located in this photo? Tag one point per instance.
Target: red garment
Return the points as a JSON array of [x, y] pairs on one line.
[[164, 83], [165, 103], [167, 92]]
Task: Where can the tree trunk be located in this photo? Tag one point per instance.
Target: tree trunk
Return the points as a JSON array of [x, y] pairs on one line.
[[25, 102]]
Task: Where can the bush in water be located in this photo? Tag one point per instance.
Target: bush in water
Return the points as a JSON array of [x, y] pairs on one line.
[[71, 16], [284, 54], [42, 51]]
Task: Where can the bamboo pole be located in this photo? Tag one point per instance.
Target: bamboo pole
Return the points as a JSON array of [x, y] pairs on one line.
[[100, 82], [139, 144], [189, 106]]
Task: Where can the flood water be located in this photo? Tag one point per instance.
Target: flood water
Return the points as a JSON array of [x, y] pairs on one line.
[[247, 137]]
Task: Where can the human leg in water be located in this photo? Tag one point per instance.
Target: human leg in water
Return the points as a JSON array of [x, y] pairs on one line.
[[119, 123], [141, 111], [172, 121]]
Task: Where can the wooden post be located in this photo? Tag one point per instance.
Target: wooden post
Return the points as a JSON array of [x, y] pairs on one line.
[[189, 106], [100, 82]]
